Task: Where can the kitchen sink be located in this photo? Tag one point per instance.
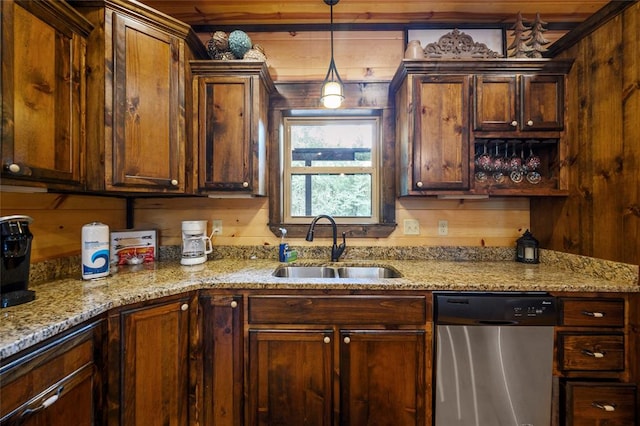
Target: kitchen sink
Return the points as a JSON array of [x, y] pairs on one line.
[[292, 271], [367, 272], [305, 272]]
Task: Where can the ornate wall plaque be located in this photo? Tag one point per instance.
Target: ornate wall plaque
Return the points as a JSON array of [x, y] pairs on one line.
[[457, 45]]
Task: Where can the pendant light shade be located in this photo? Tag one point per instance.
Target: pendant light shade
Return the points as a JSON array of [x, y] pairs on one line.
[[332, 93]]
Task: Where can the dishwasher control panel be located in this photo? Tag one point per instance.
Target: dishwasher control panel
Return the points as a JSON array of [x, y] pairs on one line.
[[488, 308]]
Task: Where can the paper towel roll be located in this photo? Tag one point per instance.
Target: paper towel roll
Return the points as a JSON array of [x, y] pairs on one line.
[[95, 250]]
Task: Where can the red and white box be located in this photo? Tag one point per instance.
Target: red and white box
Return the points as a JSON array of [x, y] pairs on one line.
[[132, 247]]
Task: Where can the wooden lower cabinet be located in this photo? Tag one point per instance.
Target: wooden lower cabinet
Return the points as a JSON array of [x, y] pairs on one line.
[[596, 360], [58, 383], [382, 377], [339, 359], [611, 404], [148, 380], [218, 368]]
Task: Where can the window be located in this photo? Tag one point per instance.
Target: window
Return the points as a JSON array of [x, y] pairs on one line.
[[331, 167], [349, 177]]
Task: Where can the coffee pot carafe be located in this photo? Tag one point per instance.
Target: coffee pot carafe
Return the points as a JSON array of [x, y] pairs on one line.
[[195, 242], [15, 259]]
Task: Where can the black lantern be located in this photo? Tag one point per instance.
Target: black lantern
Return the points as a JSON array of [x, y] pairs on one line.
[[527, 248]]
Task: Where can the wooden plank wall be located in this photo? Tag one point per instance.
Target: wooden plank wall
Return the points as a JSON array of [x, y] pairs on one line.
[[493, 222], [58, 219], [601, 217]]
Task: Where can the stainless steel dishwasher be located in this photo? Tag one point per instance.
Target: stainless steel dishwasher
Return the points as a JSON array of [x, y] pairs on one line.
[[494, 358]]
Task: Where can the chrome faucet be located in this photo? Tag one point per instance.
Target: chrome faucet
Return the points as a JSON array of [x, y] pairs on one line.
[[336, 250]]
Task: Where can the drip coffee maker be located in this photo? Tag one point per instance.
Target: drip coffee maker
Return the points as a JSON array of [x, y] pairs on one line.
[[15, 260], [195, 242]]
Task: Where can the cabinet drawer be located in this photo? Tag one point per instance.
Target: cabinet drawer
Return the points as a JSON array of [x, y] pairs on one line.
[[37, 376], [593, 352], [589, 403], [337, 309], [593, 312]]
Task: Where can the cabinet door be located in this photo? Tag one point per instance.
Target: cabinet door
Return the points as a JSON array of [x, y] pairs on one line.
[[222, 360], [148, 95], [148, 371], [43, 86], [495, 106], [382, 377], [441, 133], [290, 377], [542, 102], [225, 146]]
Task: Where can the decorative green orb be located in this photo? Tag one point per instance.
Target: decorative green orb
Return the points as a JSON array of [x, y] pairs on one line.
[[239, 43]]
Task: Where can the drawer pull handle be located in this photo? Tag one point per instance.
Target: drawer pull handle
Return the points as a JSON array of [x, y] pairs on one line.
[[593, 314], [234, 304], [593, 354], [604, 406], [46, 403], [327, 339], [347, 340]]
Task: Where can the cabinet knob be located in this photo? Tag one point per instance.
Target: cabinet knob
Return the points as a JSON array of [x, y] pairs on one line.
[[234, 304], [419, 184], [184, 307], [13, 168], [530, 123], [327, 339], [347, 339], [604, 406], [514, 123], [245, 184], [174, 182]]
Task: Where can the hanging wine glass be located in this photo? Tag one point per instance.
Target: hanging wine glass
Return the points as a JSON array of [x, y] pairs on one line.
[[516, 171], [483, 164], [533, 163], [498, 164]]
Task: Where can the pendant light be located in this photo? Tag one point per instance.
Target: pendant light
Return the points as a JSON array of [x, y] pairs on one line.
[[332, 93]]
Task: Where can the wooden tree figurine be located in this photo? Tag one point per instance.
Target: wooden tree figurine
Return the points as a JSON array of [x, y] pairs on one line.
[[518, 47], [537, 41]]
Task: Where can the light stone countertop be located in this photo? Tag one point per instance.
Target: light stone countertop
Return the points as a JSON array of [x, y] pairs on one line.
[[62, 304]]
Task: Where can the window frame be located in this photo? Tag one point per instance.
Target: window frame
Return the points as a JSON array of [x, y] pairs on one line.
[[288, 170], [360, 97]]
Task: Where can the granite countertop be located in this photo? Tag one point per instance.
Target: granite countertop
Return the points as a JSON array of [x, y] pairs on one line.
[[62, 304]]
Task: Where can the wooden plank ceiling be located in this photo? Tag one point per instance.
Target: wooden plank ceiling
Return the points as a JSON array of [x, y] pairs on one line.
[[206, 13]]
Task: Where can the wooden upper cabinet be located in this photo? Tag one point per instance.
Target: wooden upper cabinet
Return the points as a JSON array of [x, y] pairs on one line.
[[231, 126], [518, 103], [433, 133], [136, 104], [543, 102], [43, 90]]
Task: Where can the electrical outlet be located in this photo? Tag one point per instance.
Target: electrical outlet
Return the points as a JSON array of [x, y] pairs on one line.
[[443, 227], [216, 227], [411, 227]]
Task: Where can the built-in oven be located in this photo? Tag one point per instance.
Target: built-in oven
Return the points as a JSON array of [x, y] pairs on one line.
[[493, 358]]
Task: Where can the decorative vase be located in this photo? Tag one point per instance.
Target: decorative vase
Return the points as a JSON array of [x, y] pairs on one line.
[[414, 50]]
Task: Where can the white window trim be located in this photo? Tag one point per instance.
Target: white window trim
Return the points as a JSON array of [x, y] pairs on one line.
[[374, 170]]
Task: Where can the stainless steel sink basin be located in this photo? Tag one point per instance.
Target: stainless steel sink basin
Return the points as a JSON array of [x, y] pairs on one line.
[[367, 272], [305, 272], [292, 271]]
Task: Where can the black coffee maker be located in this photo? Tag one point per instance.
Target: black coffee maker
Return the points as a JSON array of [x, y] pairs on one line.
[[16, 256]]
